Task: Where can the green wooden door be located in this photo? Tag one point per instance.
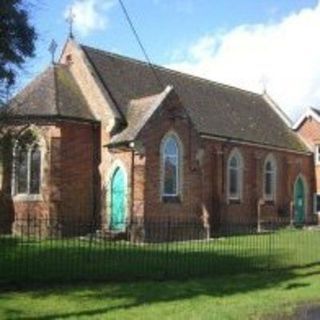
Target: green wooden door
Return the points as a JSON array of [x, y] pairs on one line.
[[118, 206], [299, 201]]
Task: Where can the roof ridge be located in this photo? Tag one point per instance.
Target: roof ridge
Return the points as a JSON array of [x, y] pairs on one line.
[[156, 66], [56, 91]]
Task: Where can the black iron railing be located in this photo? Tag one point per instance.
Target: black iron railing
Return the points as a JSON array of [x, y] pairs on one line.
[[58, 251]]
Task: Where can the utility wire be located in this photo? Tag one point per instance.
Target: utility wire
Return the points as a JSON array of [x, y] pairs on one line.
[[135, 33]]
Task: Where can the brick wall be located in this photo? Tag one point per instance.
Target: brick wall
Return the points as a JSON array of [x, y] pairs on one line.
[[289, 166], [310, 131], [69, 166], [88, 82], [75, 164], [99, 104], [204, 196], [171, 117], [15, 207]]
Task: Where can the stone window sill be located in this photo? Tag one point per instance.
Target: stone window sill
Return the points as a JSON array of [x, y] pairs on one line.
[[234, 201], [169, 199], [27, 198]]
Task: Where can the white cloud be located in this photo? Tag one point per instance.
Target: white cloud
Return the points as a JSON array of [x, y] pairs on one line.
[[181, 6], [89, 15], [284, 55]]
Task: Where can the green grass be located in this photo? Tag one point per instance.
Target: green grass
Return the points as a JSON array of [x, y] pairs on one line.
[[238, 296], [216, 279], [75, 259]]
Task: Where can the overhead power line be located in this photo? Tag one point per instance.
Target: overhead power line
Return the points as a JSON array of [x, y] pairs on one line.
[[144, 51]]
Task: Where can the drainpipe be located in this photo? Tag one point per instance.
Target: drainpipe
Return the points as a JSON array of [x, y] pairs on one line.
[[132, 184], [95, 154]]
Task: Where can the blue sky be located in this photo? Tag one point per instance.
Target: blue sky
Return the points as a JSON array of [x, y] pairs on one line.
[[248, 43]]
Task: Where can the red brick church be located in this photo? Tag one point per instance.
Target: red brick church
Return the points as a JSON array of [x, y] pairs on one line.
[[102, 137]]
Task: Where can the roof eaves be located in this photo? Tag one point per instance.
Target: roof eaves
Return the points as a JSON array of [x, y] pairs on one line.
[[309, 112], [308, 144], [57, 117], [124, 143], [275, 107], [252, 142]]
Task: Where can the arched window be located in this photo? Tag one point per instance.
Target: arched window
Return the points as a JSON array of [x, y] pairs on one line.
[[235, 167], [270, 177], [171, 166], [26, 168]]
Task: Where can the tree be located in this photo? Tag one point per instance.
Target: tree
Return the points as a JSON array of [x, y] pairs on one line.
[[17, 41]]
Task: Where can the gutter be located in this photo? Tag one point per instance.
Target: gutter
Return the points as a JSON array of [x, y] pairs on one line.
[[128, 144], [24, 118], [252, 143]]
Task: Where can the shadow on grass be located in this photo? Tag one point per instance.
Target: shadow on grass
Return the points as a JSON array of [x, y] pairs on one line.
[[47, 262], [217, 270], [132, 295]]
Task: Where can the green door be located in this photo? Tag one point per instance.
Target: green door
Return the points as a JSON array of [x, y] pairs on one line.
[[118, 206], [299, 201]]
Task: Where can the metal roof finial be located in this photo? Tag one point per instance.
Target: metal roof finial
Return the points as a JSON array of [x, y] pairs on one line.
[[52, 49], [70, 20], [264, 83]]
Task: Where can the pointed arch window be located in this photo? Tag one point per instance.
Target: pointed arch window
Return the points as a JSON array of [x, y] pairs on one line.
[[27, 169], [171, 166], [26, 174], [270, 177], [235, 174]]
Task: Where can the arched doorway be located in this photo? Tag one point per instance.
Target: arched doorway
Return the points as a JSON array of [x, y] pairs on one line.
[[118, 200], [299, 201]]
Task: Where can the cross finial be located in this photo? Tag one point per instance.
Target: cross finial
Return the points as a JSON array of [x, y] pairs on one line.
[[264, 83], [52, 49], [70, 20]]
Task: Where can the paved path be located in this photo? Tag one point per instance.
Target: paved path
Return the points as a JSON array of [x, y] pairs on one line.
[[306, 312]]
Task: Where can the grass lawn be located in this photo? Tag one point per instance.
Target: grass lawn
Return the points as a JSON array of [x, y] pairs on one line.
[[239, 296], [214, 279], [73, 259]]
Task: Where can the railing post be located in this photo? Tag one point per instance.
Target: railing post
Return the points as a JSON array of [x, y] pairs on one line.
[[270, 245], [166, 272], [259, 208], [292, 213]]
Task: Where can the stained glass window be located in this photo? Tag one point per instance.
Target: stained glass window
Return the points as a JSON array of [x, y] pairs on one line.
[[234, 174], [170, 167], [35, 161], [269, 179], [27, 169]]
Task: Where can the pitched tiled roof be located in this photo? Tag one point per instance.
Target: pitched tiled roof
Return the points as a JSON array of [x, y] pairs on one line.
[[53, 94], [138, 113], [216, 109]]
